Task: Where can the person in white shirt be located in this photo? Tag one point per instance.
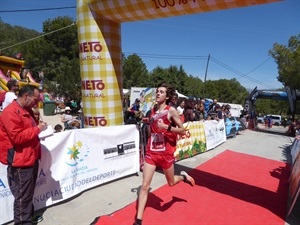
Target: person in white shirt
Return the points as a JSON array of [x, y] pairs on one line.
[[11, 95], [180, 110]]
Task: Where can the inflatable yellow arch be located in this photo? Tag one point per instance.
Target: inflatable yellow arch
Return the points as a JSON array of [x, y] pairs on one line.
[[99, 34]]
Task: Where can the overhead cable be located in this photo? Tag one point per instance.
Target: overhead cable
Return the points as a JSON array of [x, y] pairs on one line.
[[32, 10]]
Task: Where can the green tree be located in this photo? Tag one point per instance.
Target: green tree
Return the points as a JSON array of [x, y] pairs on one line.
[[60, 41], [172, 75], [229, 91], [177, 77], [269, 106], [33, 56], [64, 41], [135, 73], [67, 79], [193, 86], [11, 38], [158, 75], [288, 62]]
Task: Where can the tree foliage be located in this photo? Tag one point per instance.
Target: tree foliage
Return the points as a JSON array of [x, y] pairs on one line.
[[135, 73], [172, 75], [12, 36], [269, 106], [230, 91], [193, 86], [288, 61]]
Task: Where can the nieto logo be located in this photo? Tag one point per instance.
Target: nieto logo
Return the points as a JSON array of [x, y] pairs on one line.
[[91, 46], [77, 153]]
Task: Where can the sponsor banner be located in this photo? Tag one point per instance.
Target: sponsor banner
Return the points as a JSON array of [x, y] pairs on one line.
[[77, 160], [295, 148], [294, 182], [193, 142], [215, 133], [146, 97], [6, 198]]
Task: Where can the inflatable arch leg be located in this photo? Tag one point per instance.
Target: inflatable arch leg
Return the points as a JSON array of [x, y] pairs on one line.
[[100, 56]]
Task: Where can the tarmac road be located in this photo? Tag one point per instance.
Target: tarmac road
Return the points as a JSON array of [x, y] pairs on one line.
[[110, 197]]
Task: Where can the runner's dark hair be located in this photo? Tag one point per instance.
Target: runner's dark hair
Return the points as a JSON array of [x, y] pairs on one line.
[[170, 91]]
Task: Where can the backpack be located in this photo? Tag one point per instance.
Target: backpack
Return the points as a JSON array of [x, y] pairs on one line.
[[2, 97]]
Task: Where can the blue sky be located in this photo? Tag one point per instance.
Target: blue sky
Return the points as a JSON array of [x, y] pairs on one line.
[[237, 40]]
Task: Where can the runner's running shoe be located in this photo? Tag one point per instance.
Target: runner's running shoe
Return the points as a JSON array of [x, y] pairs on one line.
[[187, 178], [37, 219]]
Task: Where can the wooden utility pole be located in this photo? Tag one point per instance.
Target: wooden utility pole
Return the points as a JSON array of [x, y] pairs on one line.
[[203, 93]]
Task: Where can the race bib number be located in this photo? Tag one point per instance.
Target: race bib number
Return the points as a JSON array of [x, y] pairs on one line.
[[157, 142]]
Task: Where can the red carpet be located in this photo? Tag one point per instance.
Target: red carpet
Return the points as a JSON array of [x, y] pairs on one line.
[[231, 189]]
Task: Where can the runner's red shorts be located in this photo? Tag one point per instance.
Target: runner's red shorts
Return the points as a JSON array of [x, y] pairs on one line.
[[162, 160]]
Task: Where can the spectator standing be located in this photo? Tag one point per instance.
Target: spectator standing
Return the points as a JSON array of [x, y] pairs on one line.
[[19, 135], [270, 122], [11, 95], [219, 112], [189, 114], [223, 111], [196, 112], [297, 127], [227, 113], [165, 125], [180, 110], [212, 108], [243, 118], [206, 103], [202, 112], [134, 111], [174, 100], [46, 96]]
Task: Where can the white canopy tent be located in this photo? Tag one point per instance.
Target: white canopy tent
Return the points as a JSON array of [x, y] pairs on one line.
[[181, 95], [126, 91]]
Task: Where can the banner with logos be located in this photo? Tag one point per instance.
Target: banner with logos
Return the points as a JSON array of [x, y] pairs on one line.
[[193, 142], [294, 181], [76, 160], [295, 148], [200, 136], [215, 133]]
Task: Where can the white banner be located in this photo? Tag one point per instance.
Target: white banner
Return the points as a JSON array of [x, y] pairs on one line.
[[215, 133], [76, 160]]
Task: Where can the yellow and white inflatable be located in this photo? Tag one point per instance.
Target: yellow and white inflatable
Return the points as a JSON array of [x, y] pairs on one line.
[[12, 66], [99, 33]]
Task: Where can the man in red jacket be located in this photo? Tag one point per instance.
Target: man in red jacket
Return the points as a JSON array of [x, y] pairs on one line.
[[18, 125]]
